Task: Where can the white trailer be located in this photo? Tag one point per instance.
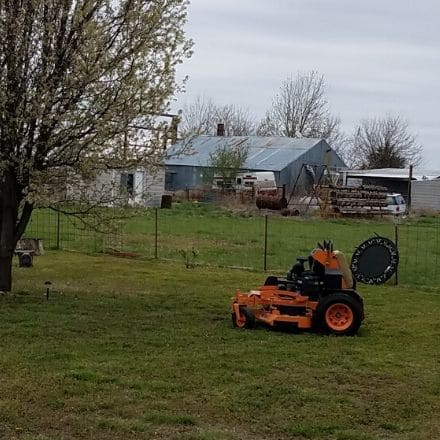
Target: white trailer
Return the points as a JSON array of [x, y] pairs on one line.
[[251, 181]]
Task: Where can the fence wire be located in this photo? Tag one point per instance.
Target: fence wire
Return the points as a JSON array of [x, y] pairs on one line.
[[200, 234], [61, 231]]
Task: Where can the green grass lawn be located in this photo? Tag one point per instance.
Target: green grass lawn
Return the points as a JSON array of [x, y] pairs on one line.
[[140, 349]]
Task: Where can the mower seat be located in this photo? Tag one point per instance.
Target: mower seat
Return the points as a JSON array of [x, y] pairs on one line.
[[345, 269]]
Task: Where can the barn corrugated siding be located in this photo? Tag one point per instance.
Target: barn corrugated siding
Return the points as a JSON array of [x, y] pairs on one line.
[[183, 176], [425, 195], [317, 157]]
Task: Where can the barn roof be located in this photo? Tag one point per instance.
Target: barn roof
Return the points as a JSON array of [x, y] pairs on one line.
[[396, 173], [265, 153]]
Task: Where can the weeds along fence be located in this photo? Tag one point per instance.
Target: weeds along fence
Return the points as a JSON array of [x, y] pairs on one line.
[[197, 233]]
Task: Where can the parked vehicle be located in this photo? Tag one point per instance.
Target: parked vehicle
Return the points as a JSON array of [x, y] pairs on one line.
[[251, 181], [396, 204]]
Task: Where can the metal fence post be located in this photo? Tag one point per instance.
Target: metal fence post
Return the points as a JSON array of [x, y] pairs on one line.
[[58, 230], [155, 232], [396, 240], [265, 243]]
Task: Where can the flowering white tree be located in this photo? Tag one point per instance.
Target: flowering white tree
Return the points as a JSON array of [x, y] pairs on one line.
[[80, 82]]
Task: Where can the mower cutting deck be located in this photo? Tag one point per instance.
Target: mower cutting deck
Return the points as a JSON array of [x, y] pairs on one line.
[[321, 298]]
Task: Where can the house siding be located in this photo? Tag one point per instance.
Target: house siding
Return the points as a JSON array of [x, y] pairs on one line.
[[153, 187], [148, 188]]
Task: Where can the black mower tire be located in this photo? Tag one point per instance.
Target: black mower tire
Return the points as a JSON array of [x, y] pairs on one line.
[[248, 316], [346, 306]]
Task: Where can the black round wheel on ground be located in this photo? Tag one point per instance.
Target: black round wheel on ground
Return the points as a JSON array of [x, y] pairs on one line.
[[338, 314], [246, 320]]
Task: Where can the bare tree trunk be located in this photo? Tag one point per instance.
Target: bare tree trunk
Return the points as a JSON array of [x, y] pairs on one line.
[[9, 204]]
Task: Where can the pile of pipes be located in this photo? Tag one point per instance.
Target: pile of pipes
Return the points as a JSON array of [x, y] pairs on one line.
[[365, 200]]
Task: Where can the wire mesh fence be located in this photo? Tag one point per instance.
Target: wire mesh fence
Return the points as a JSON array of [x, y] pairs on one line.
[[200, 234], [62, 231], [418, 243]]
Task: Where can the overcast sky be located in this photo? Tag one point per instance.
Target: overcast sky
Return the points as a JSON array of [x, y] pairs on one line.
[[378, 57]]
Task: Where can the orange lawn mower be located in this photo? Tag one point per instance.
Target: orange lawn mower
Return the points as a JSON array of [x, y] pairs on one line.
[[322, 297]]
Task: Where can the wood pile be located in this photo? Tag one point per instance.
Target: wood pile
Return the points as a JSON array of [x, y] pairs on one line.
[[365, 200]]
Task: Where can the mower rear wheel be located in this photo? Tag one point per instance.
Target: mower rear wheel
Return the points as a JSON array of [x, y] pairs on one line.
[[338, 314], [246, 319]]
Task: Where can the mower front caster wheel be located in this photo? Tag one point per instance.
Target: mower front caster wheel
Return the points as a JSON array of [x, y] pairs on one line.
[[245, 320]]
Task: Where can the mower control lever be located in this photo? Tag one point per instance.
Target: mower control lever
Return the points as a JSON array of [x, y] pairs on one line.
[[297, 269]]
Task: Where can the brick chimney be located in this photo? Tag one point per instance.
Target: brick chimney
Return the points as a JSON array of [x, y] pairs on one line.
[[220, 129]]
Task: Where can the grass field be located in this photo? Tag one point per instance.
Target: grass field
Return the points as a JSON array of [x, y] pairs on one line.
[[220, 237], [139, 349]]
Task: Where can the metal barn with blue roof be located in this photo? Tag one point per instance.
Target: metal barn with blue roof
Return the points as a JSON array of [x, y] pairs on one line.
[[283, 156]]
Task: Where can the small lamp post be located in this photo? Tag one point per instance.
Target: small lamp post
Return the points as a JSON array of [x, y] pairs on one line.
[[48, 285]]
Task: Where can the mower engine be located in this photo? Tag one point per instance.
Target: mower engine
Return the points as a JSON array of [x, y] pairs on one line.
[[322, 297]]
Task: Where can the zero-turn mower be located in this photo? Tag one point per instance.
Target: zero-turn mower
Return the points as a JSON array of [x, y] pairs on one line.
[[322, 297]]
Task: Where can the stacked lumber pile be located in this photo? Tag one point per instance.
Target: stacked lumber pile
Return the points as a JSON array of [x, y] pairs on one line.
[[363, 200]]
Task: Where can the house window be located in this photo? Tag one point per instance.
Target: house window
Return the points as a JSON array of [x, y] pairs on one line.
[[127, 183]]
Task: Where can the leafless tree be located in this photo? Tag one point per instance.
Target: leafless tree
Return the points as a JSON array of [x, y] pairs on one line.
[[340, 143], [203, 115], [80, 84], [300, 109], [198, 117], [384, 143]]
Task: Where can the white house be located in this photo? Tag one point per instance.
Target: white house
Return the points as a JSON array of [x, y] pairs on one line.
[[136, 187]]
